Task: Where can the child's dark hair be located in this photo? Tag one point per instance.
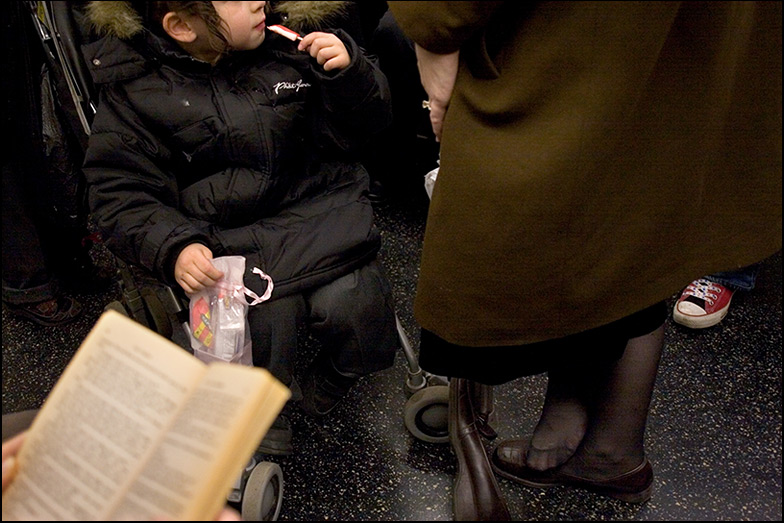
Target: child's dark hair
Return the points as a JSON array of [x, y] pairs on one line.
[[153, 13]]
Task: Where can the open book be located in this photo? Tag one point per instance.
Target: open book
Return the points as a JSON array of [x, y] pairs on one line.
[[137, 429]]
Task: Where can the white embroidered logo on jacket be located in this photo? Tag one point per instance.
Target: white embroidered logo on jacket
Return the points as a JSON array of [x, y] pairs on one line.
[[289, 85]]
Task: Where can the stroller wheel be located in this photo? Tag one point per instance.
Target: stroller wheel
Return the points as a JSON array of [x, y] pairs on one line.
[[427, 414], [263, 494]]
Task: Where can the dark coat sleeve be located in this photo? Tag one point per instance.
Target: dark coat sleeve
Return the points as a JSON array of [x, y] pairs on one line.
[[355, 101], [443, 27], [132, 197]]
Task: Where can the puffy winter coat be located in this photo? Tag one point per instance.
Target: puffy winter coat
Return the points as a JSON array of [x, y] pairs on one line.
[[252, 156]]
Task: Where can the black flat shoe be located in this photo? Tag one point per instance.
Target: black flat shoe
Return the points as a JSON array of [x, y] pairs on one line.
[[634, 486], [278, 441], [49, 313], [323, 388]]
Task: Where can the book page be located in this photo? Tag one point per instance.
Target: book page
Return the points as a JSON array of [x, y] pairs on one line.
[[203, 454], [103, 419]]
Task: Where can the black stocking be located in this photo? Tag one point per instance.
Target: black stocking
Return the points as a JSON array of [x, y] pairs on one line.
[[604, 409], [563, 421], [613, 443]]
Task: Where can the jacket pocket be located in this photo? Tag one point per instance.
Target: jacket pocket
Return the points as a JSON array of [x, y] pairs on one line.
[[193, 139]]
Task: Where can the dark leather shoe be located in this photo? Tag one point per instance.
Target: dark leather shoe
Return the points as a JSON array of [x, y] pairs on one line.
[[483, 404], [476, 495], [324, 387], [49, 313], [278, 441], [509, 462]]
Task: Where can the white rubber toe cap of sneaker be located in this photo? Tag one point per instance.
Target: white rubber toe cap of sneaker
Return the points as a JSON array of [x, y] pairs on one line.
[[692, 309]]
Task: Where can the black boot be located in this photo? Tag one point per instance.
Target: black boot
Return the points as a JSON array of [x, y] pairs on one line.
[[278, 441], [323, 387], [476, 495], [482, 401]]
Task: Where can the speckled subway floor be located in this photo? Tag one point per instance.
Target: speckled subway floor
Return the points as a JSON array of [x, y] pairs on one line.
[[713, 436]]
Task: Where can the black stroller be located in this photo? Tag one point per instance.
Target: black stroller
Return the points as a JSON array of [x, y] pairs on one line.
[[62, 31]]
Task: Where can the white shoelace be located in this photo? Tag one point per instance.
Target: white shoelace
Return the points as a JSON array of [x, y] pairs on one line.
[[703, 289]]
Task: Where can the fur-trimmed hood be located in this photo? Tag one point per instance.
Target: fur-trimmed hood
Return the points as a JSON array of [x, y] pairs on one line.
[[122, 19], [118, 19], [305, 17]]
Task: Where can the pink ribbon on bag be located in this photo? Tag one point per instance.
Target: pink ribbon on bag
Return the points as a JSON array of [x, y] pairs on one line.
[[267, 293], [235, 291]]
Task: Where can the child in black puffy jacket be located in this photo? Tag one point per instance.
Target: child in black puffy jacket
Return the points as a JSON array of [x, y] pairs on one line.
[[215, 137]]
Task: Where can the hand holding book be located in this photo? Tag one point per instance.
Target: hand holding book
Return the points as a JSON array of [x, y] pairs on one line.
[[137, 428]]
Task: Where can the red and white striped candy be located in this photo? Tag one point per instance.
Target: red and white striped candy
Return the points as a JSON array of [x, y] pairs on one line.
[[285, 31]]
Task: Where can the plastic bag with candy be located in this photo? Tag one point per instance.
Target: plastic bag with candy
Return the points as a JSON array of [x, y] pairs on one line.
[[219, 328]]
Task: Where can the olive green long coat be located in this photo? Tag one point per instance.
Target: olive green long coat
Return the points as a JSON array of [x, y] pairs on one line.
[[596, 157]]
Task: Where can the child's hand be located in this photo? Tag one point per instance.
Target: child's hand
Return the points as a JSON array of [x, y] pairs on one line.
[[327, 49], [194, 270]]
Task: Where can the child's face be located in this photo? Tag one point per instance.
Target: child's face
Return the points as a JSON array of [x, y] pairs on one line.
[[244, 23]]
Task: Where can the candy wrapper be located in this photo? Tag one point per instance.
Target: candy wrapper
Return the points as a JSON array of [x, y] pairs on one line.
[[219, 328]]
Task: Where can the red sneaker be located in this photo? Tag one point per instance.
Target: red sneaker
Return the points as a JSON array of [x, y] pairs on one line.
[[702, 304]]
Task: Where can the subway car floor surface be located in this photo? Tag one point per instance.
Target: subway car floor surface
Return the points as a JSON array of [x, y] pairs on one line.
[[713, 435]]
